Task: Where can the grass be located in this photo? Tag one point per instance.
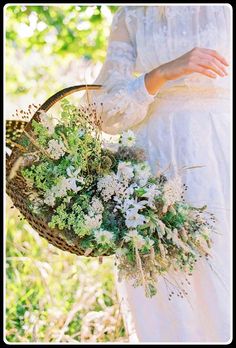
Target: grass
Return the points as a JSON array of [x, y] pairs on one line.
[[54, 296]]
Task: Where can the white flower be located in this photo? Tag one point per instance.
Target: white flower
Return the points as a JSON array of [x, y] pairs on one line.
[[61, 188], [134, 204], [71, 172], [125, 171], [120, 191], [103, 236], [72, 184], [107, 185], [49, 199], [94, 217], [172, 192], [151, 193], [56, 149], [128, 138], [121, 252], [93, 221], [133, 219], [142, 173], [97, 206], [47, 121], [134, 237], [130, 189], [74, 179]]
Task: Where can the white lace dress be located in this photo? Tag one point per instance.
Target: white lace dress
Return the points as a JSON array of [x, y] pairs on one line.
[[187, 122]]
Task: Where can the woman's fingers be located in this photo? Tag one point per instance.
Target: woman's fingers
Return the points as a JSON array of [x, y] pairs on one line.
[[205, 71], [214, 66], [216, 55]]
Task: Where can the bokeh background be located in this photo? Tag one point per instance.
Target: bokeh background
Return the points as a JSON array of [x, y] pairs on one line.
[[51, 295]]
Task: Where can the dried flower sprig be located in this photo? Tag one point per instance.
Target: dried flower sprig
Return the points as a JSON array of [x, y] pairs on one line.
[[107, 200]]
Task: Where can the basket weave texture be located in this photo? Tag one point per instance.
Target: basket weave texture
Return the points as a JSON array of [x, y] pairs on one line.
[[16, 187]]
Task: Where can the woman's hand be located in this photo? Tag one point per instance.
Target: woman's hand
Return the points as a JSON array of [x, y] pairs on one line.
[[202, 60]]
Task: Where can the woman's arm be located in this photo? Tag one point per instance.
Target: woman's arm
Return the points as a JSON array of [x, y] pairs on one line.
[[124, 97], [204, 61]]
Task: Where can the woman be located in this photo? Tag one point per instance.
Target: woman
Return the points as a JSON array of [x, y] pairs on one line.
[[179, 109]]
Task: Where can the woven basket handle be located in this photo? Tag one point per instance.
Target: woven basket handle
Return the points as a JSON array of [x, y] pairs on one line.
[[45, 107], [59, 96]]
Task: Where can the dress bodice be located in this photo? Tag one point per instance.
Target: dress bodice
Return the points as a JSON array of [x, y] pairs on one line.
[[163, 33], [144, 37]]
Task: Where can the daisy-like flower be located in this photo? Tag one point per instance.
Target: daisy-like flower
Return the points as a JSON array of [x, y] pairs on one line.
[[134, 237], [133, 219], [127, 138], [47, 121], [103, 236], [56, 149], [142, 173]]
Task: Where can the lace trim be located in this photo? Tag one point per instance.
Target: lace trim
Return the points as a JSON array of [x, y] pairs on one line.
[[119, 50], [127, 106], [132, 98], [137, 89], [120, 64]]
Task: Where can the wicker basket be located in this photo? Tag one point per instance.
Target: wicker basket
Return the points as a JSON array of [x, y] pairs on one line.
[[16, 186]]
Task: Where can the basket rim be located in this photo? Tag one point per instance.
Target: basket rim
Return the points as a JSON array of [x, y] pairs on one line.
[[16, 193]]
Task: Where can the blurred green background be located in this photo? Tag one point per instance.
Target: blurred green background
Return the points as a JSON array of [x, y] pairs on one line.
[[51, 295]]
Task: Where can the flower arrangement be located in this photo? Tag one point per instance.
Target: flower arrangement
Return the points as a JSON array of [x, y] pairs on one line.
[[106, 196]]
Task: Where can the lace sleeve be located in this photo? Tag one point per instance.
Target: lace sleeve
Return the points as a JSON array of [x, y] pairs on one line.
[[124, 98]]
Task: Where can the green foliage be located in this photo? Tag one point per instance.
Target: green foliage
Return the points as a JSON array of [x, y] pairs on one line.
[[108, 206], [44, 285], [41, 132], [51, 37], [63, 29], [41, 175]]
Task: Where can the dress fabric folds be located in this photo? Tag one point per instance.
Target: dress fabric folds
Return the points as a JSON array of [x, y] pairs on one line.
[[186, 123]]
